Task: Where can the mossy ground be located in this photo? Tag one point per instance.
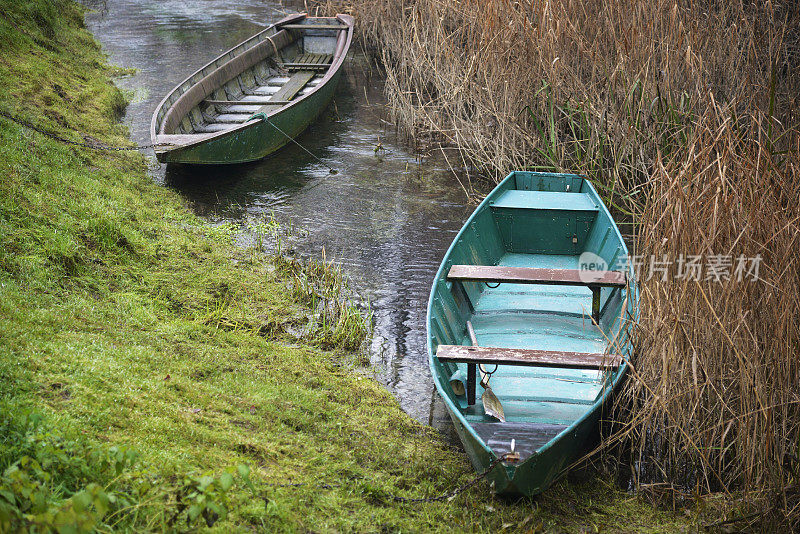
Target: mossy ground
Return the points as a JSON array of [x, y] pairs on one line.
[[126, 320]]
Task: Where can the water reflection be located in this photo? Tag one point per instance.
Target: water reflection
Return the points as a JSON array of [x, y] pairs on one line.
[[385, 216]]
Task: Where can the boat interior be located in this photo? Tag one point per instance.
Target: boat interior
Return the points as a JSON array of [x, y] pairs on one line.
[[271, 70], [544, 223]]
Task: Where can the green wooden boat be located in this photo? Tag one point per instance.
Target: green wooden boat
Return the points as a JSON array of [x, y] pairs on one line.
[[537, 286], [256, 97]]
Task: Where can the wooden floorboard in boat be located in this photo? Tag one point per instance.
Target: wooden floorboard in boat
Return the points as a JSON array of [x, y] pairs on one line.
[[232, 118], [212, 128], [528, 437], [267, 89], [240, 108], [293, 86]]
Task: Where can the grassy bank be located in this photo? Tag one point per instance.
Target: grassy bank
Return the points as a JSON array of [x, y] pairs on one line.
[[685, 114], [151, 373]]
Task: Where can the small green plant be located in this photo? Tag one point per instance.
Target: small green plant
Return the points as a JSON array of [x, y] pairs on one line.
[[224, 232], [206, 496], [336, 320], [264, 228], [49, 483]]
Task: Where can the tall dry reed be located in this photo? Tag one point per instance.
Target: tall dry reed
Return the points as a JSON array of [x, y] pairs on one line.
[[714, 403], [685, 114]]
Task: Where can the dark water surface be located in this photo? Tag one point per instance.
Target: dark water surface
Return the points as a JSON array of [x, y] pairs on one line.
[[386, 217]]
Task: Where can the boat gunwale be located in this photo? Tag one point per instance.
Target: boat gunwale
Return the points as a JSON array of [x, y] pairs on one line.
[[632, 290], [202, 138]]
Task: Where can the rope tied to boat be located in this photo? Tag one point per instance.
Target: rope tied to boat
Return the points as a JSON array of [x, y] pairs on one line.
[[94, 145], [263, 116], [509, 456], [278, 58], [449, 496]]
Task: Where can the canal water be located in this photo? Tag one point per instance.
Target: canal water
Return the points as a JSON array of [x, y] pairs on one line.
[[386, 217]]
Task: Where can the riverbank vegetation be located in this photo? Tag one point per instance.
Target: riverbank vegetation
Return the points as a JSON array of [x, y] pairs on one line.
[[156, 377], [685, 114]]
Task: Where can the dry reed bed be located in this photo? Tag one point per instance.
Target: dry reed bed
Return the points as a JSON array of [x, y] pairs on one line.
[[685, 113], [584, 86], [714, 405]]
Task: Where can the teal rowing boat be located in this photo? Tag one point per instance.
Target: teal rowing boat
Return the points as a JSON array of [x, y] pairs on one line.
[[529, 323], [256, 97]]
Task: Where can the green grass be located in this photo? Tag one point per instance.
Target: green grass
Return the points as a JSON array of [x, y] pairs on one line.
[[144, 358]]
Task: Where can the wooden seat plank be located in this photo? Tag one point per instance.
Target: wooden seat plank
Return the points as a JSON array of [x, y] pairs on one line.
[[594, 280], [515, 199], [528, 357], [339, 27], [529, 275]]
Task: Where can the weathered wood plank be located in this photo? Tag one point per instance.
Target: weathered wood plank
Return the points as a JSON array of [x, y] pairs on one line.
[[528, 357], [292, 87], [339, 27], [251, 102], [528, 275], [213, 128], [231, 118], [305, 66], [529, 437], [266, 90]]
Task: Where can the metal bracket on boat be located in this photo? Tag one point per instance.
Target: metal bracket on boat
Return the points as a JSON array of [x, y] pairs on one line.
[[491, 404], [512, 456], [595, 303]]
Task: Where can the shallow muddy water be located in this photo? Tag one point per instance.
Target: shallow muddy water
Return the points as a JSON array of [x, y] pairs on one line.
[[386, 216]]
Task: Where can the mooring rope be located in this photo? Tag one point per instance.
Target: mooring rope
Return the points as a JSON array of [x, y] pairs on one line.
[[263, 116], [452, 495], [405, 500], [93, 145], [103, 146]]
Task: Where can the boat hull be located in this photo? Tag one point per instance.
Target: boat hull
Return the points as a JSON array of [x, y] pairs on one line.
[[541, 222], [260, 139], [255, 98]]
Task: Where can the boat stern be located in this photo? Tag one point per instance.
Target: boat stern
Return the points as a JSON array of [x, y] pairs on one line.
[[532, 473]]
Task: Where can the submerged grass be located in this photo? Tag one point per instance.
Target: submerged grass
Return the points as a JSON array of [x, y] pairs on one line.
[[685, 114], [150, 378]]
